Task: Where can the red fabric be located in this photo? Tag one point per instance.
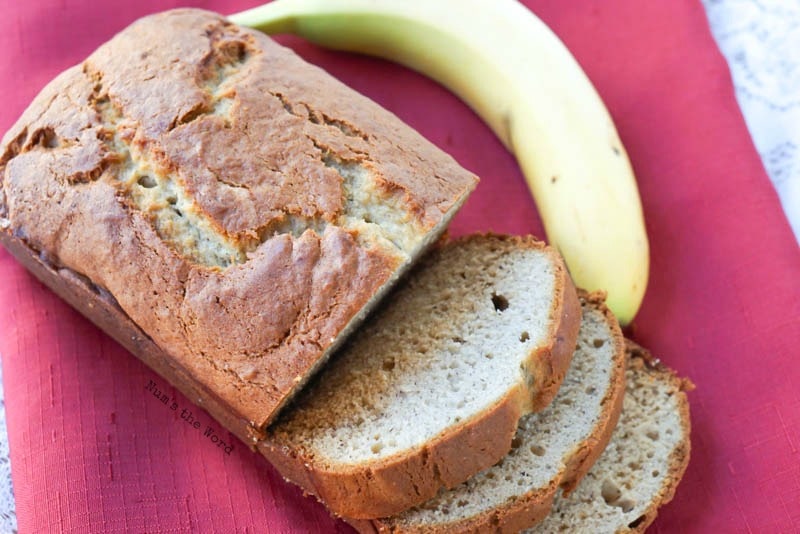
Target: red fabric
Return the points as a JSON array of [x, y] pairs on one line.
[[93, 451]]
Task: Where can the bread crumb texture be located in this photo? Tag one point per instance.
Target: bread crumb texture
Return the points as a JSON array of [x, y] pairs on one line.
[[643, 463], [448, 347], [545, 443], [241, 206]]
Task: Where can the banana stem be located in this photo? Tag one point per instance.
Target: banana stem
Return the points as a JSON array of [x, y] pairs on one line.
[[269, 18]]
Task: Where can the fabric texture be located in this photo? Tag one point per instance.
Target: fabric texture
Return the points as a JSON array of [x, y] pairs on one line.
[[93, 450]]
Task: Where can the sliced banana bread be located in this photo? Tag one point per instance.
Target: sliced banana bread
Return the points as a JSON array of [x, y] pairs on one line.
[[643, 463], [637, 472], [225, 210], [430, 390], [552, 449]]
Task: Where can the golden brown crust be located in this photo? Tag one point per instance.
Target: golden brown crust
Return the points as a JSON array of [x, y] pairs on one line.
[[251, 136], [100, 307], [552, 363], [640, 356], [529, 509], [394, 484], [400, 482]]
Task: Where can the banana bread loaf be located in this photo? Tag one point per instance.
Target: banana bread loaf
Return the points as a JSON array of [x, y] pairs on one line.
[[223, 209]]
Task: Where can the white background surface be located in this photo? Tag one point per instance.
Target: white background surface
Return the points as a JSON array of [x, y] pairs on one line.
[[761, 41]]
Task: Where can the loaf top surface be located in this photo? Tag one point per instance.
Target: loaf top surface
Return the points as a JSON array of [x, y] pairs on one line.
[[242, 207]]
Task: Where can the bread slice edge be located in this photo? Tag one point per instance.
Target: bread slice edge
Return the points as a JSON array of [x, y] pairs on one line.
[[401, 481], [534, 505], [681, 454]]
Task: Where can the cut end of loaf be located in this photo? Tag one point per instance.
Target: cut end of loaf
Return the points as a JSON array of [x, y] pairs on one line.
[[451, 358], [462, 325]]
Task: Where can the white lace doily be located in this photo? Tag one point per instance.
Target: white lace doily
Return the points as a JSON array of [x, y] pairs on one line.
[[8, 516], [759, 40]]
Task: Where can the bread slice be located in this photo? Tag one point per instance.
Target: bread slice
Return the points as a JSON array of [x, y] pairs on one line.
[[552, 449], [234, 209], [430, 391], [642, 465]]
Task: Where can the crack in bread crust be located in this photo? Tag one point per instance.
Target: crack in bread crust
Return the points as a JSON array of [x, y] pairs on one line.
[[157, 191], [140, 169]]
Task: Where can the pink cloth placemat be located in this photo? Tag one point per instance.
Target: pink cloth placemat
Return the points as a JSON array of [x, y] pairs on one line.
[[93, 451]]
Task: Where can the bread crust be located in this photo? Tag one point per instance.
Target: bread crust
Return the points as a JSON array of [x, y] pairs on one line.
[[409, 478], [534, 506], [550, 365], [102, 309], [681, 454], [250, 147]]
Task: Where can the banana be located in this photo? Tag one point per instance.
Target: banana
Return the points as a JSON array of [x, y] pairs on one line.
[[519, 77]]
